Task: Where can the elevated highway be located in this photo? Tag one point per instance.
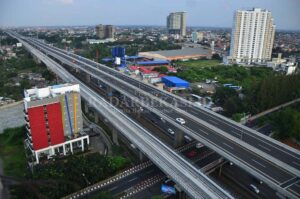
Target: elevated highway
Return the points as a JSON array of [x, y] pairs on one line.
[[277, 171], [194, 182]]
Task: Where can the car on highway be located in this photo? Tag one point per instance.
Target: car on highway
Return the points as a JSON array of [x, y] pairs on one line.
[[171, 131], [199, 145], [180, 120], [187, 138], [254, 188], [191, 154], [257, 180]]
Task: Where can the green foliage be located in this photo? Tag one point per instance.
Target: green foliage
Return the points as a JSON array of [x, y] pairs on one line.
[[9, 69], [65, 177], [102, 195], [162, 69], [12, 151], [287, 123], [157, 197]]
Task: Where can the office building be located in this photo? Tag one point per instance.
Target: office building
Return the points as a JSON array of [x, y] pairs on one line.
[[252, 36], [53, 121], [105, 31], [176, 23]]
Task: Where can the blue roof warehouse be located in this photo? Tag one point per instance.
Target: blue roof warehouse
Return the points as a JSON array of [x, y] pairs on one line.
[[172, 81]]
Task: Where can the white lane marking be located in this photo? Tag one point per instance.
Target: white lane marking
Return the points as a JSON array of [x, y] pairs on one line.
[[264, 147], [293, 184], [296, 163], [287, 181], [258, 163], [113, 188], [213, 121], [132, 179], [236, 133], [149, 171], [291, 190], [273, 145], [227, 145], [194, 112]]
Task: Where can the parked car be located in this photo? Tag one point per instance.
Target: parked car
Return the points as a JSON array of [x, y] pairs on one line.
[[180, 121]]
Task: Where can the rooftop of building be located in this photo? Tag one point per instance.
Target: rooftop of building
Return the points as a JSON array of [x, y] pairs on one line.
[[50, 91], [175, 79], [181, 52]]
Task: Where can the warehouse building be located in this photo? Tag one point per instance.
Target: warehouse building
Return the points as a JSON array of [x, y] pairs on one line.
[[174, 83], [181, 54], [54, 121]]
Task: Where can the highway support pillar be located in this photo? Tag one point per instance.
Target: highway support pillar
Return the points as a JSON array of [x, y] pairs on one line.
[[109, 91], [87, 78], [115, 136], [220, 170], [142, 157], [86, 107], [96, 116], [178, 141]]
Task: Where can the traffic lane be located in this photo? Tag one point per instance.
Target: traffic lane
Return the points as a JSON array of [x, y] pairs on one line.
[[134, 180], [264, 145], [244, 180], [275, 152], [264, 167], [207, 160], [295, 188]]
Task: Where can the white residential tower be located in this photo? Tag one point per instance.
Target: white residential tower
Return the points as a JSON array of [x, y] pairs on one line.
[[252, 36]]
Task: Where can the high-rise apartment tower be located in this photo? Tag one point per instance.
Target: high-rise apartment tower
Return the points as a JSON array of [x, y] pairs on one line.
[[176, 23], [252, 36]]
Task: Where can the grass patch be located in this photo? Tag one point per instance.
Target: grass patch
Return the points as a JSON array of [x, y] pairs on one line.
[[199, 63], [12, 152]]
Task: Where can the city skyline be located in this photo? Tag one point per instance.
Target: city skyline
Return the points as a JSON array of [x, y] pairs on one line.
[[200, 13]]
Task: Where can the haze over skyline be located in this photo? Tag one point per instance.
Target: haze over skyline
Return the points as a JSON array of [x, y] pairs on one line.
[[210, 13]]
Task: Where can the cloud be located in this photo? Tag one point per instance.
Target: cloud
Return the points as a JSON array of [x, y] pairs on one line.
[[66, 1]]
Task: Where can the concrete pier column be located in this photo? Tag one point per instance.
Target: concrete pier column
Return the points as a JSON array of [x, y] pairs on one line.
[[87, 78], [64, 149], [82, 145], [86, 107], [109, 91], [37, 157], [96, 116], [142, 156], [178, 141], [115, 136], [71, 147]]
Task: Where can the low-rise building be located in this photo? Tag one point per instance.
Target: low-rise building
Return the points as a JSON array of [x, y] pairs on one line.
[[53, 122]]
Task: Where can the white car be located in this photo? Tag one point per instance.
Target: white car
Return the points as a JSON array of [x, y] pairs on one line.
[[180, 121], [171, 131], [187, 138], [199, 145], [254, 188]]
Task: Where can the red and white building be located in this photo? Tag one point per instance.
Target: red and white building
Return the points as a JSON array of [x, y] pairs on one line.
[[54, 121]]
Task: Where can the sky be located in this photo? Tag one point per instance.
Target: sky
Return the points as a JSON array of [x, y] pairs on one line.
[[203, 13]]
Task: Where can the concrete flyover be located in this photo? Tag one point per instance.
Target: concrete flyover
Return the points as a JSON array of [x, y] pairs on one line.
[[195, 183], [275, 171]]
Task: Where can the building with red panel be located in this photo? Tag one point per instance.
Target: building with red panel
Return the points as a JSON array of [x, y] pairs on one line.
[[54, 121]]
